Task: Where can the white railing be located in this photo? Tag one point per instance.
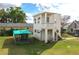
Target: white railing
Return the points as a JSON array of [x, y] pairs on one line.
[[14, 24], [47, 25]]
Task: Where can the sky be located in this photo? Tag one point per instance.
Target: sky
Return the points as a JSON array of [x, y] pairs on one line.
[[31, 7]]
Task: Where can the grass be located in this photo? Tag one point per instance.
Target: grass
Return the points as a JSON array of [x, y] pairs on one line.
[[36, 47], [66, 46]]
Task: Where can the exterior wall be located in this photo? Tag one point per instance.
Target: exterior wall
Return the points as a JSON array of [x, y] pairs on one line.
[[72, 27], [57, 18], [37, 27], [54, 25]]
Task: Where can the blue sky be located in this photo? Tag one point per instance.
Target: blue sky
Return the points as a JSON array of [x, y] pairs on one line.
[[64, 9], [29, 8]]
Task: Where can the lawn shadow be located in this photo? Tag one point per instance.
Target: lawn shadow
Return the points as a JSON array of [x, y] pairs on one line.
[[35, 47]]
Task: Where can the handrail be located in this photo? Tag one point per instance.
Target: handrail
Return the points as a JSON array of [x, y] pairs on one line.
[[47, 23]]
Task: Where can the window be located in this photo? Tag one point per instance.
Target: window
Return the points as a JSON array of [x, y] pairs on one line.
[[35, 30], [35, 20], [47, 19], [55, 20], [75, 25], [38, 31], [71, 30], [39, 20]]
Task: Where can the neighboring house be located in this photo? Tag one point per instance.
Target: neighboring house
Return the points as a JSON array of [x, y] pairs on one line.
[[47, 26], [65, 27], [74, 28], [16, 26]]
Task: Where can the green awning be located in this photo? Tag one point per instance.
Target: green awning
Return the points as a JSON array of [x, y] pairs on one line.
[[17, 32]]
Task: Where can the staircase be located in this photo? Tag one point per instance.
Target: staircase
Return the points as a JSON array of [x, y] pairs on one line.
[[59, 37]]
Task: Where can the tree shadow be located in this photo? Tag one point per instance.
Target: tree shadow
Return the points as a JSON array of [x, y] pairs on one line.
[[35, 47]]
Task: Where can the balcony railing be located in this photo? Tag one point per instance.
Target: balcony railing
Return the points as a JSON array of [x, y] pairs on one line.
[[47, 25]]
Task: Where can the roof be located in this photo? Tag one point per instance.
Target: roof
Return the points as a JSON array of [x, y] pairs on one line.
[[16, 32], [44, 12], [66, 25], [15, 24], [77, 22]]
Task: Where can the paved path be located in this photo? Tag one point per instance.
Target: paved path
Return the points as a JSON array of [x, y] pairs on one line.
[[71, 38]]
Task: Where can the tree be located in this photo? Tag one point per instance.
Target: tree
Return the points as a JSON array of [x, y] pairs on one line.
[[65, 19], [3, 15], [15, 14]]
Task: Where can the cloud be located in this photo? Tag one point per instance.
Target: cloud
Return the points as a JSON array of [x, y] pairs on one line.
[[64, 7], [6, 5], [29, 18]]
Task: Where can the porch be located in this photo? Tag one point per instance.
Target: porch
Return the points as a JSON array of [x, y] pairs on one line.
[[76, 32], [48, 35]]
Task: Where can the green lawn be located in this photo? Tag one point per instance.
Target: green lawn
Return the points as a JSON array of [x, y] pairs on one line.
[[37, 47], [69, 45]]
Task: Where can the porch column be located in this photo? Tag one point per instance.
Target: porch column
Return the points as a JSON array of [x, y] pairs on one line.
[[46, 36], [45, 18], [40, 19], [56, 37]]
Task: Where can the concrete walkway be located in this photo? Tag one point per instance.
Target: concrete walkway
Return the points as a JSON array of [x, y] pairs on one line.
[[71, 37]]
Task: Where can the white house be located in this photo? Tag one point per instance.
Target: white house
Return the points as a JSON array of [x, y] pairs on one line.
[[47, 26]]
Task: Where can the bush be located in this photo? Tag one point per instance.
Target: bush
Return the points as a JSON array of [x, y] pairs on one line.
[[7, 32]]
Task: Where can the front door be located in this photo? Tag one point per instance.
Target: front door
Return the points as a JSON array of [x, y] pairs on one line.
[[50, 34]]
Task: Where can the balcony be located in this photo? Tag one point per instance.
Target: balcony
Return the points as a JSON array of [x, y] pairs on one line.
[[47, 25]]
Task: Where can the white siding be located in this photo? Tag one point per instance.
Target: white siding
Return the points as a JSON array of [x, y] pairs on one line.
[[54, 24]]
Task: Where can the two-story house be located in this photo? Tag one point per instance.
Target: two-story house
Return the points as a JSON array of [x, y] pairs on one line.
[[47, 26]]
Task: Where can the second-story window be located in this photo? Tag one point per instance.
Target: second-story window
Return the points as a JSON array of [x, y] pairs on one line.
[[47, 19], [34, 20], [55, 20], [39, 20], [75, 25]]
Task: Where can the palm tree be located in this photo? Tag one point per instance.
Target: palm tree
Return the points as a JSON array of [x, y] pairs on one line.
[[3, 15], [16, 14]]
